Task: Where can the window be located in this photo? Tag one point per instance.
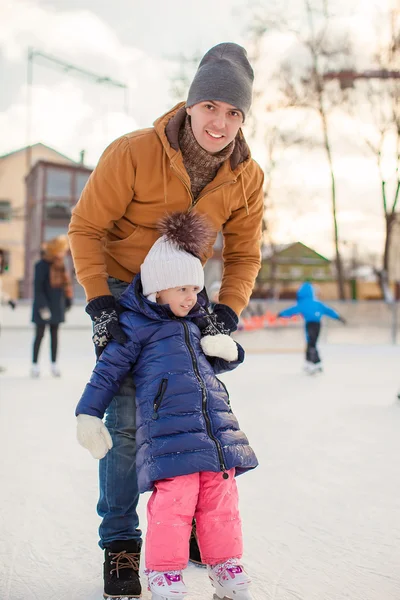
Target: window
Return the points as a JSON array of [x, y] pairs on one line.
[[58, 183], [81, 179], [319, 273], [296, 272], [52, 230], [58, 210], [5, 210]]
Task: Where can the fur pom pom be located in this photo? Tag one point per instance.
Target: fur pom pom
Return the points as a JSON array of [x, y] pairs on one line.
[[220, 345], [190, 231]]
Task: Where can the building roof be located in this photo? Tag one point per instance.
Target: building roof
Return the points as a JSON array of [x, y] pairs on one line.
[[68, 167], [43, 146], [279, 249]]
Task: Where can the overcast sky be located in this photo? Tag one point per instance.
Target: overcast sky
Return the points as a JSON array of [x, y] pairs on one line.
[[137, 42]]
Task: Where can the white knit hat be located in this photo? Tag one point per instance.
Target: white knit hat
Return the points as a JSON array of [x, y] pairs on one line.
[[168, 266]]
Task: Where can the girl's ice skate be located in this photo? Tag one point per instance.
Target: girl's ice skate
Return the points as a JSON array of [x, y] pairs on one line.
[[230, 580], [167, 585]]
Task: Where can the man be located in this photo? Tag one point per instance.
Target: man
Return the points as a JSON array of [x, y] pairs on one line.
[[194, 158]]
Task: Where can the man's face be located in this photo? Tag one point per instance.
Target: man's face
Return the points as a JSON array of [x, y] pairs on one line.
[[214, 124], [180, 299]]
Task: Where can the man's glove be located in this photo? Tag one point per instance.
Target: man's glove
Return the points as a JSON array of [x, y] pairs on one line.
[[103, 312], [342, 320], [93, 435], [222, 320], [12, 304], [68, 303]]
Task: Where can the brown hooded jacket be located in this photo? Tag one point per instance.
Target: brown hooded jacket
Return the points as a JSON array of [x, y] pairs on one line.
[[139, 178]]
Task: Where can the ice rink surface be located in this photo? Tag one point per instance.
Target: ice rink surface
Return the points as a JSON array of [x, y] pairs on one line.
[[321, 515]]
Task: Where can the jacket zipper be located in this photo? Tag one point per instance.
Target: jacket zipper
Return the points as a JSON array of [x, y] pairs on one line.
[[159, 397], [204, 399]]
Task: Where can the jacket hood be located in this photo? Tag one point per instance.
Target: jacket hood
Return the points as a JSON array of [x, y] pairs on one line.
[[133, 299], [306, 292]]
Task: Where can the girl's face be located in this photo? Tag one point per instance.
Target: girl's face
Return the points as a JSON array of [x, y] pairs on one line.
[[180, 299]]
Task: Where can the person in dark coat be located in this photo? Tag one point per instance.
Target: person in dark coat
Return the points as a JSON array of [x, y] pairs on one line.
[[52, 297], [189, 443]]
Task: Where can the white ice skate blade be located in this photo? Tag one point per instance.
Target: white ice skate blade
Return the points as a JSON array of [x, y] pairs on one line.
[[242, 595], [221, 594]]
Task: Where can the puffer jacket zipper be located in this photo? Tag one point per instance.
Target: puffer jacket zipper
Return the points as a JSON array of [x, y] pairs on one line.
[[204, 398], [158, 399], [226, 392]]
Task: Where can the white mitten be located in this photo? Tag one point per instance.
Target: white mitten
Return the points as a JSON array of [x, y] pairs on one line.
[[93, 435], [220, 345]]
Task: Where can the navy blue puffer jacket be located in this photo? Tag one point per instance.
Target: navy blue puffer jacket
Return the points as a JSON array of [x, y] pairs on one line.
[[184, 420]]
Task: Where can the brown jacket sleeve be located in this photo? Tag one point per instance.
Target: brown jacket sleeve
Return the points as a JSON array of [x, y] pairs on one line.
[[104, 200], [242, 250]]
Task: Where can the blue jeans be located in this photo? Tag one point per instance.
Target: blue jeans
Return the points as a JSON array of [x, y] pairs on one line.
[[119, 493]]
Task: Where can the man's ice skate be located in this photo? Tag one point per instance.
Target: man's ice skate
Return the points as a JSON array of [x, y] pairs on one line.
[[166, 585], [230, 580]]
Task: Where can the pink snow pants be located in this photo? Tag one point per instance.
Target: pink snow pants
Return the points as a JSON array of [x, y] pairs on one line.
[[208, 497]]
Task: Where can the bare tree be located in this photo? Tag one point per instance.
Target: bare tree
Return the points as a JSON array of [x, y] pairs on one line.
[[379, 90], [302, 84]]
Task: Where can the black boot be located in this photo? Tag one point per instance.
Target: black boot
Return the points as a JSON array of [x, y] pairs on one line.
[[121, 569], [194, 551]]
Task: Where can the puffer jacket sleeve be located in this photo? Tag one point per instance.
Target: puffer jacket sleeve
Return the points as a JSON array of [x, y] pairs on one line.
[[222, 366], [113, 366]]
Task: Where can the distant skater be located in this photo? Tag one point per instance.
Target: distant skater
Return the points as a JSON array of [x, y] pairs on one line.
[[312, 310]]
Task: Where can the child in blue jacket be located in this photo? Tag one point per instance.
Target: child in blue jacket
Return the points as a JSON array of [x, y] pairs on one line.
[[189, 444], [312, 310]]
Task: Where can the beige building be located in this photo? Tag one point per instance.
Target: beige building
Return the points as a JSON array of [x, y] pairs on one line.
[[13, 171]]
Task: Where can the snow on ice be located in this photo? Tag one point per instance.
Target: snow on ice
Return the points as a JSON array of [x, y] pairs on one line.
[[321, 515]]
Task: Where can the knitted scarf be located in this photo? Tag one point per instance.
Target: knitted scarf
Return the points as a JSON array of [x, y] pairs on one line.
[[201, 166]]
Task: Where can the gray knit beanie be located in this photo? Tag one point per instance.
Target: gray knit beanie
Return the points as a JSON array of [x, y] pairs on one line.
[[224, 75]]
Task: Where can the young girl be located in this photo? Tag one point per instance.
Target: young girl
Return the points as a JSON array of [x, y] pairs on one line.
[[189, 444]]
